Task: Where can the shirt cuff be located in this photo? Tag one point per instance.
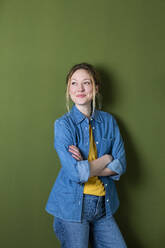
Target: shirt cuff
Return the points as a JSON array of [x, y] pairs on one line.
[[115, 166], [83, 168]]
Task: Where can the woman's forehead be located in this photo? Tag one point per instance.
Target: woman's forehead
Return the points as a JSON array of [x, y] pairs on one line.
[[81, 73]]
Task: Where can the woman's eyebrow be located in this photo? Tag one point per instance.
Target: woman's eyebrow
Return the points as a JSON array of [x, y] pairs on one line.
[[73, 79]]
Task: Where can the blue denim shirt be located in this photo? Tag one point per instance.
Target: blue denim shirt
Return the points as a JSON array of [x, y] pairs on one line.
[[66, 196]]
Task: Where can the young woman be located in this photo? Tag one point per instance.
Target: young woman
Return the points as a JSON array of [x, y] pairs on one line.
[[84, 199]]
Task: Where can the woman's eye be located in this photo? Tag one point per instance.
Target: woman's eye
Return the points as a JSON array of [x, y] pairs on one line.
[[87, 82], [73, 83]]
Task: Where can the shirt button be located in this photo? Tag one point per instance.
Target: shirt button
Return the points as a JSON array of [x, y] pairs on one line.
[[106, 185], [97, 142], [93, 127], [91, 119], [86, 128], [107, 200]]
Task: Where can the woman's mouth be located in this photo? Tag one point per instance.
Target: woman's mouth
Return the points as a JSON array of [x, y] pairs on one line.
[[80, 95]]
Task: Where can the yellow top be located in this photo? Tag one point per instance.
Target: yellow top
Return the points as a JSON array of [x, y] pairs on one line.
[[94, 185]]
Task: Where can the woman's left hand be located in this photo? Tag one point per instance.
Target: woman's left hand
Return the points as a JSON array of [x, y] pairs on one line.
[[75, 152]]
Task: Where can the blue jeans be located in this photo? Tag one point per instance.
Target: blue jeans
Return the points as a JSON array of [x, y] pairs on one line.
[[101, 232]]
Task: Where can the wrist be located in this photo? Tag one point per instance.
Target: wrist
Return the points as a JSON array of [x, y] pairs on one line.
[[109, 158]]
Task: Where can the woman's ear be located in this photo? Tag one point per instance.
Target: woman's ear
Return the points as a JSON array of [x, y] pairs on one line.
[[97, 88]]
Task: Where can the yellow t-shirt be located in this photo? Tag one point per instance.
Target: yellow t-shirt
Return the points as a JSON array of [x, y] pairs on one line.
[[94, 185]]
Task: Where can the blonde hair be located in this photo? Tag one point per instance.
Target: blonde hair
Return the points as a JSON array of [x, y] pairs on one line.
[[94, 79]]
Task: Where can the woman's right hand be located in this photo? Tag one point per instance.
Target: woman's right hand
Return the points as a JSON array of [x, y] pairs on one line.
[[75, 152]]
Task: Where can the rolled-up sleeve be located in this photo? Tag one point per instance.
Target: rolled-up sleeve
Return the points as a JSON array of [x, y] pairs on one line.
[[118, 164], [78, 171], [83, 168]]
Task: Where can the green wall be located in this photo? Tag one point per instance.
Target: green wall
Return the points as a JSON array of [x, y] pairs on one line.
[[39, 42]]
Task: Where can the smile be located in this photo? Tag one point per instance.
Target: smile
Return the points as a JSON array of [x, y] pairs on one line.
[[80, 95]]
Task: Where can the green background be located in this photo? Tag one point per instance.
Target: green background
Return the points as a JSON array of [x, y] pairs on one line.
[[39, 42]]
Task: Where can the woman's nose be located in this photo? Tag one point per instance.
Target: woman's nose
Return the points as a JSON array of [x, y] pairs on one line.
[[80, 87]]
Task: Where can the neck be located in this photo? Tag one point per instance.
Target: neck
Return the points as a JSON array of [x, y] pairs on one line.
[[85, 109]]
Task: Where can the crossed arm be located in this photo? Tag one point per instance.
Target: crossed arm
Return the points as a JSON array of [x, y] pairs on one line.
[[97, 166]]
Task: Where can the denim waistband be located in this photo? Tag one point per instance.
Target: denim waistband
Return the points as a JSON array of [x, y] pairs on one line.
[[95, 197]]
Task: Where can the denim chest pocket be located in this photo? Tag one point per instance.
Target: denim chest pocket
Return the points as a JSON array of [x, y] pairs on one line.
[[105, 146]]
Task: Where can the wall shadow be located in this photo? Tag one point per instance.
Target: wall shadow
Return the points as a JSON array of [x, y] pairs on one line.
[[133, 174]]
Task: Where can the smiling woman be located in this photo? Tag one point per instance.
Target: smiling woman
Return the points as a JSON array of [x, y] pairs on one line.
[[81, 90], [92, 157], [82, 74]]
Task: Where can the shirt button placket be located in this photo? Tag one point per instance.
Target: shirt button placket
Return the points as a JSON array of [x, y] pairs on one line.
[[87, 132]]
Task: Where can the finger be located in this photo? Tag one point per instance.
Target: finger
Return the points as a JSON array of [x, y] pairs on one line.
[[75, 148], [76, 155], [77, 158], [75, 151]]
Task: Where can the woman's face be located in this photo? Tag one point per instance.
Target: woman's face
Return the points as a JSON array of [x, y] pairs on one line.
[[81, 88]]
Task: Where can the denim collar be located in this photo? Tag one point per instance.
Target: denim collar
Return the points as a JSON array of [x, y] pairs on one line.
[[79, 117]]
